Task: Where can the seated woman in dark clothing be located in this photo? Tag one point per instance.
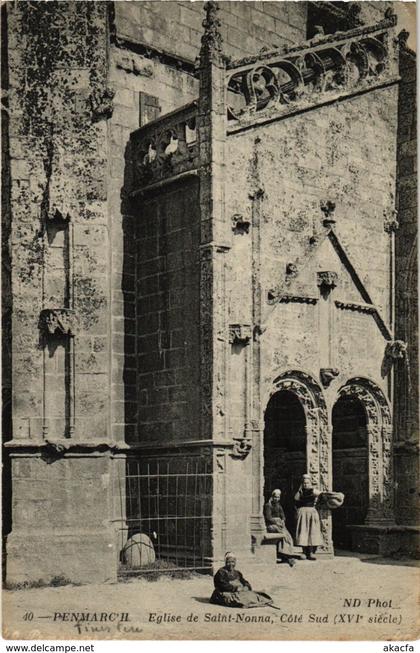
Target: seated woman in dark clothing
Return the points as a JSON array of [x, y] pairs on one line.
[[276, 523], [232, 590]]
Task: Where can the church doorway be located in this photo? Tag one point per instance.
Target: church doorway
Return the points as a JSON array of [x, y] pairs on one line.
[[350, 467], [284, 449]]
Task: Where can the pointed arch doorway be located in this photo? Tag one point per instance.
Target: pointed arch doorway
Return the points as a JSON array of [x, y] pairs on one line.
[[284, 449], [350, 467], [297, 441]]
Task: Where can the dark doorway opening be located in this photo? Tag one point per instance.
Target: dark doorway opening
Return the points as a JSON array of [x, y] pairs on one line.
[[284, 450], [350, 467]]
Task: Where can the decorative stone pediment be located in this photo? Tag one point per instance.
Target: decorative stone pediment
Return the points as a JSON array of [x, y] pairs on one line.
[[328, 250]]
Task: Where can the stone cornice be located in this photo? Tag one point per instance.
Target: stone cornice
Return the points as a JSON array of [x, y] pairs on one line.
[[356, 306], [61, 446]]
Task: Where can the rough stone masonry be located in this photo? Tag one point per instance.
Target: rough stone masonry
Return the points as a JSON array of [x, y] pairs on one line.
[[208, 267]]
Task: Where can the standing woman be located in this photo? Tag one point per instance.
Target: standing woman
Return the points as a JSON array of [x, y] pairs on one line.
[[308, 529]]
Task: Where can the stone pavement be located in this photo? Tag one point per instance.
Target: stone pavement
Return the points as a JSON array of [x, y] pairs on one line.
[[351, 596]]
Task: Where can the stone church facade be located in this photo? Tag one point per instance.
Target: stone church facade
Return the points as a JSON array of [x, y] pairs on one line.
[[210, 278]]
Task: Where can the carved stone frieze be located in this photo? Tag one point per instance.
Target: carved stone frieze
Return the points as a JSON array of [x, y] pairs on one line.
[[327, 375], [396, 349], [102, 103], [240, 225], [57, 321], [240, 334], [331, 65]]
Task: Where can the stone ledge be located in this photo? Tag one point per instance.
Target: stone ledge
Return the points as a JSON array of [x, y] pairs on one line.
[[66, 445], [395, 528]]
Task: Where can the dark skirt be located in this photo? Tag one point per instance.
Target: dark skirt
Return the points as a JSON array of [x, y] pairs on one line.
[[241, 599]]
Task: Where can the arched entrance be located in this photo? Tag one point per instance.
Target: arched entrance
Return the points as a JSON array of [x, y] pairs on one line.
[[284, 449], [350, 466], [378, 428], [296, 441]]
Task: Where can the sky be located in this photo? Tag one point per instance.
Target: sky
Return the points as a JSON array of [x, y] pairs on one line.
[[406, 12]]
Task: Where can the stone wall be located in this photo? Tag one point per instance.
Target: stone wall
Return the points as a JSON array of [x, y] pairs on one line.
[[59, 248], [176, 27], [298, 171], [283, 173], [131, 74], [59, 239], [406, 251], [167, 332], [406, 326]]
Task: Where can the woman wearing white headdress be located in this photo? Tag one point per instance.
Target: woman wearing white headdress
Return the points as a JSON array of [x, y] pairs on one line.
[[308, 529], [276, 523], [232, 590]]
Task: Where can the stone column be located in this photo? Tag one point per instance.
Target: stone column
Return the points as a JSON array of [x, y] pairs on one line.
[[214, 243]]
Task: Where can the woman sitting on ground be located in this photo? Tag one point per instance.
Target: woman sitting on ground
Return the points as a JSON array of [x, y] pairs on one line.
[[276, 523], [233, 591]]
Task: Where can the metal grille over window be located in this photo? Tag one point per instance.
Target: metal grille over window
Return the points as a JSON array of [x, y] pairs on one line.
[[168, 516]]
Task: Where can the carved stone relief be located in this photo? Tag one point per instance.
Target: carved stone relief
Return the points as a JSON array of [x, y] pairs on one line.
[[327, 375], [327, 280], [328, 208], [277, 82], [102, 103], [379, 429], [241, 447], [240, 334], [240, 225], [395, 350], [57, 321]]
